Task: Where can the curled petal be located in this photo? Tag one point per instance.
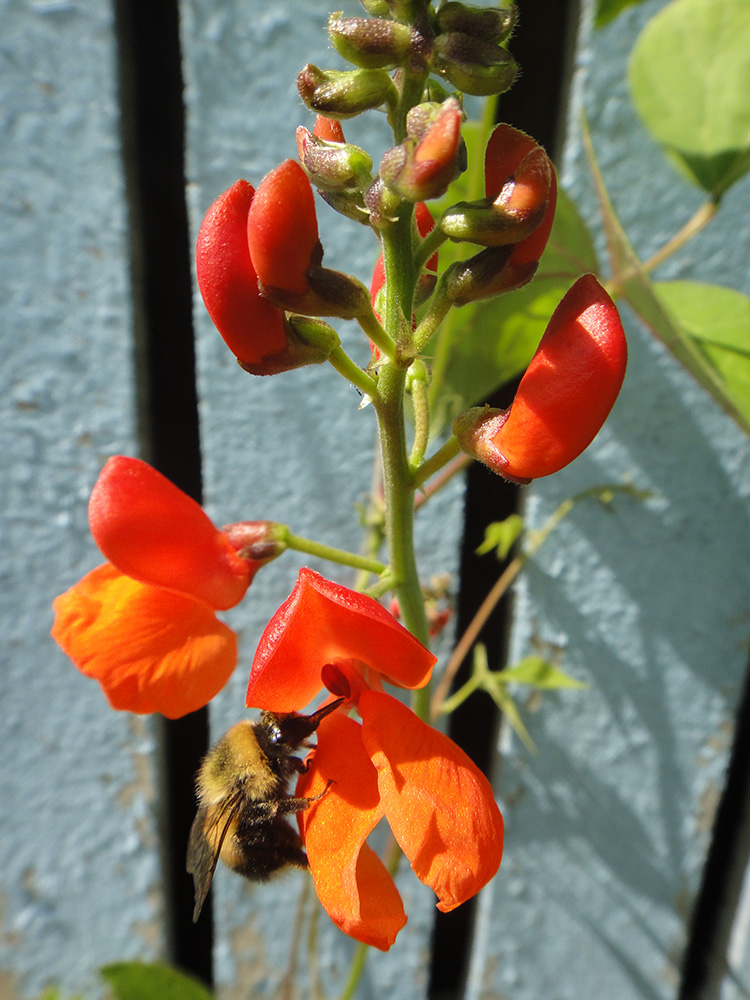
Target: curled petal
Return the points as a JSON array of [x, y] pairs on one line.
[[438, 803], [252, 328], [351, 881], [153, 532], [151, 649], [322, 622], [282, 229]]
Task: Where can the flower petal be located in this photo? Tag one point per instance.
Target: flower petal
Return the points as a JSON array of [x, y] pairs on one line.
[[151, 649], [439, 804], [322, 622], [352, 883], [153, 532]]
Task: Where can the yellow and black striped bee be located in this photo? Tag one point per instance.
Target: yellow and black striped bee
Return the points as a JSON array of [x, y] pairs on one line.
[[243, 800]]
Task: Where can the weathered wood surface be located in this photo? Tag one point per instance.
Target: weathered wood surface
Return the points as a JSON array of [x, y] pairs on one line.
[[607, 827]]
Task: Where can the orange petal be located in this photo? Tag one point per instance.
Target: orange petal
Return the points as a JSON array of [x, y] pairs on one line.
[[322, 622], [439, 804], [352, 883], [151, 649], [153, 532]]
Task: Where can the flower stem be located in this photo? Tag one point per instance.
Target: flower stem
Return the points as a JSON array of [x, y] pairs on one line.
[[436, 462], [341, 556], [352, 372]]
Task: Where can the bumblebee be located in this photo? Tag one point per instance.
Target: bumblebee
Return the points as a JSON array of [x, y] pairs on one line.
[[243, 800]]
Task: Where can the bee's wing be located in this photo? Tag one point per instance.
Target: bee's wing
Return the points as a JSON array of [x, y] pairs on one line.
[[207, 834]]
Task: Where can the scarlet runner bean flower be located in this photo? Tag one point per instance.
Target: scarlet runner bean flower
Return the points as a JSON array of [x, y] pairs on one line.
[[144, 624], [564, 396], [282, 235], [440, 807], [254, 329]]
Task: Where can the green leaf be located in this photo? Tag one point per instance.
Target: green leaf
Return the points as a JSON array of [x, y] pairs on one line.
[[719, 319], [539, 673], [145, 981], [631, 281], [607, 10], [690, 80], [501, 536], [483, 345]]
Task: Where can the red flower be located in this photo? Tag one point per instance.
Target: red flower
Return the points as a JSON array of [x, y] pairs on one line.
[[564, 396], [282, 229], [521, 180], [143, 625], [439, 805]]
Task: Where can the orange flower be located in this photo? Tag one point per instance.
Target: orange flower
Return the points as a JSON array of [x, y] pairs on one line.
[[440, 807], [144, 624]]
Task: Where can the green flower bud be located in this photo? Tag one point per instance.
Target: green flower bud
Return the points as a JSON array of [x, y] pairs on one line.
[[333, 166], [493, 24], [344, 94], [473, 65], [314, 333], [488, 224], [486, 274], [373, 43]]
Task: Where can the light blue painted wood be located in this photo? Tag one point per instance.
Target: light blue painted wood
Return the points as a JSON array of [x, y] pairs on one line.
[[294, 448], [79, 877], [608, 825]]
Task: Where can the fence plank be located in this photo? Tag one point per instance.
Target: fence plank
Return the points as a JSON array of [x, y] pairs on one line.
[[609, 824], [78, 852]]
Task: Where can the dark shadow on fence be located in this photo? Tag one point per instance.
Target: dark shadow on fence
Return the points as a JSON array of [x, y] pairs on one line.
[[153, 140]]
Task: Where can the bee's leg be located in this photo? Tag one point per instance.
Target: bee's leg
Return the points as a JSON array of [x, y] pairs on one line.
[[293, 805]]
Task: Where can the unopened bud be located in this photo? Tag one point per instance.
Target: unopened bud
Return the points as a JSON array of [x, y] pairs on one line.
[[382, 204], [333, 166], [473, 65], [377, 8], [373, 43], [431, 157], [349, 203], [493, 24], [486, 274], [314, 333], [344, 94]]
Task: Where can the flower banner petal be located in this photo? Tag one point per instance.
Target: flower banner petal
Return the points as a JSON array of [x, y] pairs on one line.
[[151, 649], [322, 622], [352, 883], [438, 803], [153, 532]]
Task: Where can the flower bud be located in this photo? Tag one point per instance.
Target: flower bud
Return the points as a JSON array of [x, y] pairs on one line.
[[564, 396], [430, 158], [493, 24], [473, 65], [253, 329], [282, 235], [382, 204], [329, 129], [333, 166], [344, 94], [373, 43], [488, 273]]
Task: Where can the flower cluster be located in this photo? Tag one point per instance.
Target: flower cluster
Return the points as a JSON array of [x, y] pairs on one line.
[[145, 624]]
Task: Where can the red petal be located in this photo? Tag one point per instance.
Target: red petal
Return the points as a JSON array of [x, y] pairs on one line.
[[569, 387], [282, 228], [151, 649], [438, 803], [252, 328], [153, 532], [351, 881], [322, 622]]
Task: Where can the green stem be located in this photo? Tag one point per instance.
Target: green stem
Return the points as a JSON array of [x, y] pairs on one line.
[[352, 372], [691, 228], [376, 333], [355, 971], [439, 308], [436, 462], [432, 242], [421, 422], [341, 556]]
